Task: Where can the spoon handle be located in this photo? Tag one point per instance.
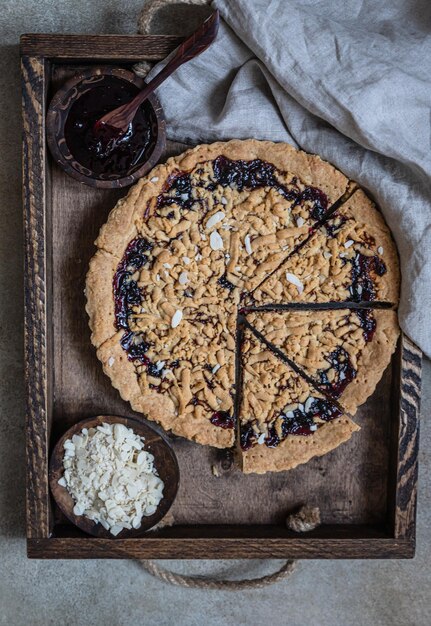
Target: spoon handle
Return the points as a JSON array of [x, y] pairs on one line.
[[194, 45]]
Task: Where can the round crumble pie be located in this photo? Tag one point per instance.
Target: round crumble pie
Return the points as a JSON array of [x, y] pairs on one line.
[[219, 228]]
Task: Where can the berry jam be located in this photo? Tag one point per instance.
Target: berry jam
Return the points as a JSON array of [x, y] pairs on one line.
[[333, 226], [247, 436], [339, 361], [102, 150], [239, 175], [225, 283], [126, 290], [179, 191], [135, 347], [297, 422], [257, 174], [319, 200], [222, 419], [362, 288], [368, 323]]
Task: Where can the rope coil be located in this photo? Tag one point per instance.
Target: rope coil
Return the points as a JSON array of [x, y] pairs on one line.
[[304, 520]]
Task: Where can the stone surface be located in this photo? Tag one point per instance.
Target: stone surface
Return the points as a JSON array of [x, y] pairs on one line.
[[117, 592]]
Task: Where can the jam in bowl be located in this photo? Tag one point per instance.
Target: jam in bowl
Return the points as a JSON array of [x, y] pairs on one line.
[[82, 151]]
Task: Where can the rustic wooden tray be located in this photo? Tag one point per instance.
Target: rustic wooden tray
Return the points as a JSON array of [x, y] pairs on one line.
[[366, 489]]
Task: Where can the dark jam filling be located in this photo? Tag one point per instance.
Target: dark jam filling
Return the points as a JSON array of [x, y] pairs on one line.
[[339, 361], [299, 422], [135, 347], [368, 323], [257, 173], [126, 290], [240, 175], [102, 150], [362, 288], [225, 283], [333, 226], [179, 191], [222, 419]]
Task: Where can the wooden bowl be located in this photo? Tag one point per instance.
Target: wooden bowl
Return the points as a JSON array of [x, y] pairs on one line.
[[58, 112], [165, 462]]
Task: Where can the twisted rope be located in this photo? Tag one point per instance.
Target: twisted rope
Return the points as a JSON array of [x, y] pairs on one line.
[[304, 520], [145, 20]]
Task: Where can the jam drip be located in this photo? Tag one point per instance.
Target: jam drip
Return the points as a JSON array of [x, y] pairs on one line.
[[339, 361], [333, 226], [362, 288], [225, 283], [135, 347], [126, 290], [297, 422], [223, 419]]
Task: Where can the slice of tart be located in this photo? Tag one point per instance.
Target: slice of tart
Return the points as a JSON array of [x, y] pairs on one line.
[[282, 420], [351, 258], [344, 352], [181, 377]]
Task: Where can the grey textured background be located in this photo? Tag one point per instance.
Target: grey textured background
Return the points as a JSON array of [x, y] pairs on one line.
[[117, 592]]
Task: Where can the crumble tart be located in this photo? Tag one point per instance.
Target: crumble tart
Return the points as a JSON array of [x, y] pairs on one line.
[[351, 257], [180, 250], [344, 352], [183, 252], [282, 421]]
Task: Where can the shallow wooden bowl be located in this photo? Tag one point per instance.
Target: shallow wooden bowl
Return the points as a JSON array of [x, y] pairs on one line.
[[165, 462], [58, 112]]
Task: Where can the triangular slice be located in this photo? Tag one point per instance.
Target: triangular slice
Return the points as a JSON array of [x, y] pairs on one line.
[[344, 352], [351, 258], [282, 420]]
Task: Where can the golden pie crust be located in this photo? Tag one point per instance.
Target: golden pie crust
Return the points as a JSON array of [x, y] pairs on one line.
[[209, 246]]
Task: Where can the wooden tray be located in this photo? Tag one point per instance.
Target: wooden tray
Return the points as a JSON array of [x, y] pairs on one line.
[[366, 489]]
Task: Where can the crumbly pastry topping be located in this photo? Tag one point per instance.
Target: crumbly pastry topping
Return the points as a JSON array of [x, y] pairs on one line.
[[350, 258], [332, 347], [111, 477], [200, 238], [276, 402]]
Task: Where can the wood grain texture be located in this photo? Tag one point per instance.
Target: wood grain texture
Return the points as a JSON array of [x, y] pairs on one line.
[[123, 48], [34, 72], [217, 547], [230, 516], [407, 438]]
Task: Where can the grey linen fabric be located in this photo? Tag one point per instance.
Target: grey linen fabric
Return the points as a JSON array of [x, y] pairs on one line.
[[345, 79]]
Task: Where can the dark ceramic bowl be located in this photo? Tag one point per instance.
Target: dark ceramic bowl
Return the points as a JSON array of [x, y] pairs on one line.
[[56, 127], [165, 462]]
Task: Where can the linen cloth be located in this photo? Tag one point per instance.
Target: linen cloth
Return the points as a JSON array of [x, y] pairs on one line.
[[349, 80]]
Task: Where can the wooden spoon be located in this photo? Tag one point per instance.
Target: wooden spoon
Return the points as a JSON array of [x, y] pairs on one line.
[[115, 124]]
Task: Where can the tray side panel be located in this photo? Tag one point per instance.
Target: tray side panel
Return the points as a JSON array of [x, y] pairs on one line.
[[123, 48], [407, 436], [34, 82]]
